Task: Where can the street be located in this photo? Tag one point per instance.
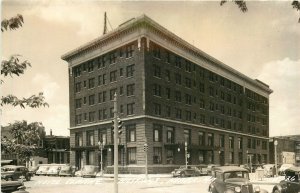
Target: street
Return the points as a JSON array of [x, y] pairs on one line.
[[45, 184]]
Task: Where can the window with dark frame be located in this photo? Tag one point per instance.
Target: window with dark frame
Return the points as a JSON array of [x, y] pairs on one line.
[[157, 133], [130, 70]]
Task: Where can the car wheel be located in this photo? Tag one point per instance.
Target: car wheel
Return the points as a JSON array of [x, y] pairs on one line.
[[182, 174], [28, 177]]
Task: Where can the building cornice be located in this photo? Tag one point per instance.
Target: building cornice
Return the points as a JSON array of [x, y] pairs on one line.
[[146, 27], [171, 121]]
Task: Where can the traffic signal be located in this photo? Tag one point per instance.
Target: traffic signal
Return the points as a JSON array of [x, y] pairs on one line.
[[120, 125], [145, 147]]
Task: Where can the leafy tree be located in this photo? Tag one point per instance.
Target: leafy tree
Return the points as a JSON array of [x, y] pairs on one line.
[[25, 137]]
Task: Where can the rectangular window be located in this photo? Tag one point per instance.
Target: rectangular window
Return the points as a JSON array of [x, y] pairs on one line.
[[202, 119], [168, 57], [130, 109], [78, 87], [202, 103], [111, 112], [178, 113], [201, 138], [188, 82], [112, 93], [130, 90], [90, 66], [101, 61], [157, 133], [231, 157], [178, 96], [131, 133], [178, 61], [91, 82], [157, 71], [178, 78], [130, 70], [168, 111], [92, 99], [240, 143], [170, 156], [113, 76], [121, 72], [112, 57], [188, 99], [168, 75], [78, 119], [77, 71], [78, 103], [188, 66], [187, 136], [121, 90], [157, 154], [78, 139], [92, 116], [90, 138], [210, 139], [188, 115], [170, 134], [131, 153], [201, 87], [104, 79], [157, 109], [168, 93], [129, 50], [157, 90], [156, 51]]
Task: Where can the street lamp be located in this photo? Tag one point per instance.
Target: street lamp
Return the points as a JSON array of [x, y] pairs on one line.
[[275, 155], [101, 147]]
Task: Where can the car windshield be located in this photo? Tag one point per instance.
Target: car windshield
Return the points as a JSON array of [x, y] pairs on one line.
[[291, 176], [89, 168], [236, 174], [8, 169]]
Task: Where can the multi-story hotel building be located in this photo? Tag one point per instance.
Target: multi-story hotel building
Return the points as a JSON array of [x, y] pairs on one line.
[[169, 92]]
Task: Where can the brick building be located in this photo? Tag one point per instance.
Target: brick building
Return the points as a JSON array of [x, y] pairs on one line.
[[169, 92]]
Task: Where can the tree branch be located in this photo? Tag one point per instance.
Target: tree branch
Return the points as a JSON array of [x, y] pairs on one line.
[[33, 101], [241, 4], [296, 5], [12, 23], [13, 66]]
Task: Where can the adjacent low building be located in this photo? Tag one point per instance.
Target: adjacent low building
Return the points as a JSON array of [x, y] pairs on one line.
[[169, 93]]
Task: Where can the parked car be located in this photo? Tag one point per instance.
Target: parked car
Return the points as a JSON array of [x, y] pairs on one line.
[[53, 170], [12, 172], [186, 172], [232, 179], [67, 171], [42, 170], [203, 169], [291, 183], [12, 187], [89, 171], [210, 168], [283, 167]]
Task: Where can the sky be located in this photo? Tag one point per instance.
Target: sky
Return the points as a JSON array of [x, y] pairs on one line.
[[263, 43]]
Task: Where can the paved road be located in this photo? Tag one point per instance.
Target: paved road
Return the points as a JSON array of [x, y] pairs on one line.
[[44, 184]]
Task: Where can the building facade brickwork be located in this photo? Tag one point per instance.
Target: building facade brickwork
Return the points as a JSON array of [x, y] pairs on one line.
[[169, 93]]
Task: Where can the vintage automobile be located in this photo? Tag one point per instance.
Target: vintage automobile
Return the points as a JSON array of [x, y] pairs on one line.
[[203, 169], [284, 167], [53, 171], [186, 171], [67, 171], [42, 170], [12, 187], [232, 179], [291, 183], [89, 171], [12, 172]]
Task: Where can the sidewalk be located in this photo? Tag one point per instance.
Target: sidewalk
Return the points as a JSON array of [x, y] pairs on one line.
[[266, 181]]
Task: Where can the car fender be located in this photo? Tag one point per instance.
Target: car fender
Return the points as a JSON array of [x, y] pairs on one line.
[[277, 187]]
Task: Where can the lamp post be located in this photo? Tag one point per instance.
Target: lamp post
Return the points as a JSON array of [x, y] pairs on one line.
[[186, 154], [101, 146], [275, 156]]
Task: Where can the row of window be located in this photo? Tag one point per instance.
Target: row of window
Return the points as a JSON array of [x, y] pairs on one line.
[[103, 114], [90, 83], [101, 61]]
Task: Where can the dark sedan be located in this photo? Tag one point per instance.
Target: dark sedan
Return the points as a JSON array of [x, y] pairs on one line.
[[12, 172], [291, 182], [186, 172]]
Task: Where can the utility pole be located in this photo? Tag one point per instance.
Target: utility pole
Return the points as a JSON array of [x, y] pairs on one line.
[[186, 155], [146, 160], [115, 143], [275, 156]]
